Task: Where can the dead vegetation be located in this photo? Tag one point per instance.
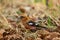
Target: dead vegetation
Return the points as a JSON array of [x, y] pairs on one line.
[[15, 15]]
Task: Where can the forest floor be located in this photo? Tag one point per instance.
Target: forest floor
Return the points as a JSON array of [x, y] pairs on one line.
[[15, 15]]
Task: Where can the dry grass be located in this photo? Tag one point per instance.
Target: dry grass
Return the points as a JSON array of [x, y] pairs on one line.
[[49, 17]]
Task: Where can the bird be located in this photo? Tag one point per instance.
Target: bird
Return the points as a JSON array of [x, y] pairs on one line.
[[27, 22], [30, 24]]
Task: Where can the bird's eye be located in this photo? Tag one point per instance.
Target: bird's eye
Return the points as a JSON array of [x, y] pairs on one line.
[[37, 25], [31, 23]]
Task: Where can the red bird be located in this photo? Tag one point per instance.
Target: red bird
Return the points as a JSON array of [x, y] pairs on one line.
[[30, 24], [27, 22]]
